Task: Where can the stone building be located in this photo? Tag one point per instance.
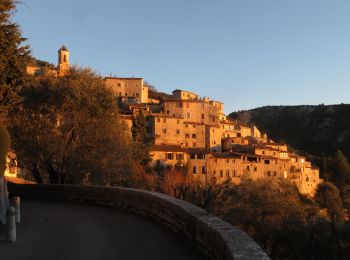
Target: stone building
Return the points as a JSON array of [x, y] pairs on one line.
[[193, 132], [41, 68], [132, 90]]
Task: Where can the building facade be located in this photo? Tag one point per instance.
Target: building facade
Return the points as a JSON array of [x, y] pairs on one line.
[[194, 132]]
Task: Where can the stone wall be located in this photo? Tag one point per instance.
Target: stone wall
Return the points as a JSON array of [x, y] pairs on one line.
[[214, 237]]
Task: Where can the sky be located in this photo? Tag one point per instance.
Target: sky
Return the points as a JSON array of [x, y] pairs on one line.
[[246, 53]]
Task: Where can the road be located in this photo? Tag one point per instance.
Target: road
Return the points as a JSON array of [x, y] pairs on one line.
[[52, 230]]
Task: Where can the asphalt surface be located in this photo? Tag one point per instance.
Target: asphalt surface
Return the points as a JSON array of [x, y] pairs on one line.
[[51, 230]]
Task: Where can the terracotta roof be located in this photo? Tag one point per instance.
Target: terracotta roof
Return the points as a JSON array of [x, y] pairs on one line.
[[175, 148], [185, 100], [166, 148], [216, 101], [165, 116], [193, 123], [178, 90], [269, 148]]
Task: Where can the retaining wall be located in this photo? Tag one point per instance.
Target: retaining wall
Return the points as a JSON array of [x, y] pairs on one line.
[[214, 237]]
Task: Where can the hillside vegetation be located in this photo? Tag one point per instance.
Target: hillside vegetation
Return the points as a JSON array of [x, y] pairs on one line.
[[317, 130]]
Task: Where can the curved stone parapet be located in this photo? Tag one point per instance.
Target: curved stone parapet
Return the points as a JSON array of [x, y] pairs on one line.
[[214, 237]]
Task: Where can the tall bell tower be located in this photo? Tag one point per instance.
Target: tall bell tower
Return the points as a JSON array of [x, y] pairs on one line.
[[63, 61]]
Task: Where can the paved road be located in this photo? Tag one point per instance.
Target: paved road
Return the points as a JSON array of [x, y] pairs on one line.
[[51, 230]]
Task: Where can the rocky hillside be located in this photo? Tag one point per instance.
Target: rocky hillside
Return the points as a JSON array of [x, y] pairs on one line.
[[313, 129]]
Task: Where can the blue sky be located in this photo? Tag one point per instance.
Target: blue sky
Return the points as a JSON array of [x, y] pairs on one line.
[[246, 53]]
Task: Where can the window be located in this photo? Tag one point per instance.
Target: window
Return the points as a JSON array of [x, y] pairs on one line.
[[194, 170], [247, 167], [202, 116], [194, 126], [126, 94], [227, 161], [169, 156], [188, 115], [177, 131], [194, 144], [64, 58], [186, 126], [201, 156], [221, 173], [267, 161], [203, 169], [214, 172], [164, 130], [179, 156], [137, 95], [194, 136], [187, 135], [158, 120], [228, 173], [177, 121], [186, 144], [255, 169], [234, 173], [167, 112], [193, 156], [119, 84], [187, 105], [120, 94]]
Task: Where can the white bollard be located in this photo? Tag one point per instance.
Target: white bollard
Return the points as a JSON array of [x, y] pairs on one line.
[[11, 224], [17, 205]]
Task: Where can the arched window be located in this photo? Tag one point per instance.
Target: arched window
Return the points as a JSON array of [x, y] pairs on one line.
[[64, 58]]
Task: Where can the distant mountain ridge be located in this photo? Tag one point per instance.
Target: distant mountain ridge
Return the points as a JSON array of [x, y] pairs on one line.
[[321, 129]]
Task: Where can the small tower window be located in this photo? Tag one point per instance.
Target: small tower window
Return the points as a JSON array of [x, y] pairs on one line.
[[64, 58]]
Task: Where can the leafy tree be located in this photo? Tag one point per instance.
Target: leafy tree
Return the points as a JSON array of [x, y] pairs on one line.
[[141, 139], [270, 211], [154, 93], [67, 130], [341, 173], [327, 196], [13, 56]]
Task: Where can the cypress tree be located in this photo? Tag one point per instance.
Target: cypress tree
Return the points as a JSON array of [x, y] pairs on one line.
[[14, 56]]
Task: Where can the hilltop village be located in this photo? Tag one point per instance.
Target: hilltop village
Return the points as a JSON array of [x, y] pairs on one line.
[[193, 133]]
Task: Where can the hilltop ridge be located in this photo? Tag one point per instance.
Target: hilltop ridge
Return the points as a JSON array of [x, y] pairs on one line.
[[315, 129]]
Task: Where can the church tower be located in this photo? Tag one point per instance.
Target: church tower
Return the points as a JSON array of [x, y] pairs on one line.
[[63, 61]]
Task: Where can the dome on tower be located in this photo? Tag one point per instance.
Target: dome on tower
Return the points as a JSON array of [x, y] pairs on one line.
[[63, 48]]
